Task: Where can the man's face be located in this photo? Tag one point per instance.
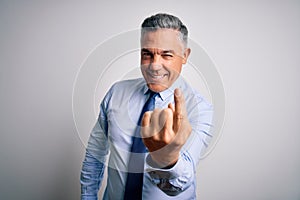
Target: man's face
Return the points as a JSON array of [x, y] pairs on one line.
[[162, 56]]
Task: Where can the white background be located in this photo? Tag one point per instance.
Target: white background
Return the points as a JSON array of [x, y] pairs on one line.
[[254, 44]]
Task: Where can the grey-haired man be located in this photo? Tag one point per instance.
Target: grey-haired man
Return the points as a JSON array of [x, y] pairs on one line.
[[152, 154]]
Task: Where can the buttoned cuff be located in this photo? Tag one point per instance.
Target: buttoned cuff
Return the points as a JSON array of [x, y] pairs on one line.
[[174, 180]]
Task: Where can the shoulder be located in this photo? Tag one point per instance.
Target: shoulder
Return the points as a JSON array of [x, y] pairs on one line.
[[129, 84], [124, 88]]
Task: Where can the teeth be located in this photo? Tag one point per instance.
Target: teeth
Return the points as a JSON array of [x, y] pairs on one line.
[[156, 76]]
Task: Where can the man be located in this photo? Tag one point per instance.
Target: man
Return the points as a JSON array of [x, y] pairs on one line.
[[153, 154]]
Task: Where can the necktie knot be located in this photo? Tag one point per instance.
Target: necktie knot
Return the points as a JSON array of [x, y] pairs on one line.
[[150, 103], [152, 94]]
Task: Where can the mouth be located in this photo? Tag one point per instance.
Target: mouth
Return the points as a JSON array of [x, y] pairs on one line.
[[157, 77]]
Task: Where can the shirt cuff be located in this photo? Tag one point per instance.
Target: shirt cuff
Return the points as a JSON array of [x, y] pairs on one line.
[[175, 180]]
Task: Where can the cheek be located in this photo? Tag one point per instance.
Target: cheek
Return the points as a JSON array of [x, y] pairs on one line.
[[143, 66], [143, 62], [175, 68], [143, 70]]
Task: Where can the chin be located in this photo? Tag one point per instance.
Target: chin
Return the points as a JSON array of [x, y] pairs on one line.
[[156, 87]]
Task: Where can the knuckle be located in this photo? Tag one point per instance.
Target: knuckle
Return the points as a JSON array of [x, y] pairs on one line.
[[167, 136], [167, 139], [156, 110], [165, 133], [165, 112], [179, 116], [146, 115], [168, 111]]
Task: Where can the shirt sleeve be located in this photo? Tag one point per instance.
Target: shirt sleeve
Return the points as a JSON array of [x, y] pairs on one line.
[[94, 162], [177, 179]]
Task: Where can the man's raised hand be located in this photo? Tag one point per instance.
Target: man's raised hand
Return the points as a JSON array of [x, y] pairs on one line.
[[165, 131]]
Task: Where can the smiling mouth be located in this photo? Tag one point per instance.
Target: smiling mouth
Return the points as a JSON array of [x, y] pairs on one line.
[[156, 77]]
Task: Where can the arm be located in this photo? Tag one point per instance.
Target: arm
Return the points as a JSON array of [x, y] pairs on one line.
[[94, 162], [174, 178]]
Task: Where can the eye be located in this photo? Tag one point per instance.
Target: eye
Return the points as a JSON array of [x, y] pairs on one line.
[[167, 56], [146, 55]]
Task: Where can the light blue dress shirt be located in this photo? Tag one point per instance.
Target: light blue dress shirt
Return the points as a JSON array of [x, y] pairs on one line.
[[111, 138]]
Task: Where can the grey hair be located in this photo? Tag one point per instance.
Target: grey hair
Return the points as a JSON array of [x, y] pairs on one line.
[[163, 20]]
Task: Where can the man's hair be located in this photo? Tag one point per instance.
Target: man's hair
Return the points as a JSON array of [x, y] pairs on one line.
[[163, 20]]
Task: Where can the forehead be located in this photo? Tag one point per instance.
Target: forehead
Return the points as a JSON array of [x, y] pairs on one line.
[[162, 39]]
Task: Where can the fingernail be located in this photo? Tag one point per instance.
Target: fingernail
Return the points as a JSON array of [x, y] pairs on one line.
[[177, 92]]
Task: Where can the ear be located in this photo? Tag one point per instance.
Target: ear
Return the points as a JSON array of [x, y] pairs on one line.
[[186, 54]]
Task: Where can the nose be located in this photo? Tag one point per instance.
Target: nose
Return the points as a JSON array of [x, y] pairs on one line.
[[156, 63]]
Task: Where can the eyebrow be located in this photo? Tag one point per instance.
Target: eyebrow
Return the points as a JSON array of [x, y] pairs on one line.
[[163, 51], [146, 50]]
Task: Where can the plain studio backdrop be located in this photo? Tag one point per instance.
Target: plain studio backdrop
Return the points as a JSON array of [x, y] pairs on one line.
[[254, 45]]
